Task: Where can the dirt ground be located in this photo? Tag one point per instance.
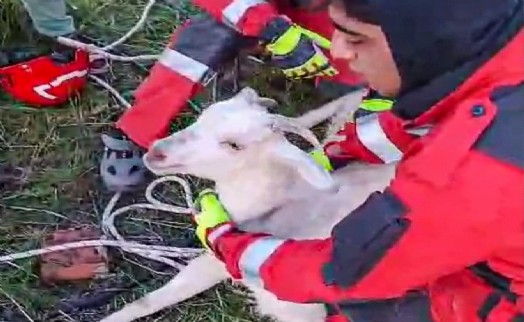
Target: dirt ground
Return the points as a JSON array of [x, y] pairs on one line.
[[61, 148]]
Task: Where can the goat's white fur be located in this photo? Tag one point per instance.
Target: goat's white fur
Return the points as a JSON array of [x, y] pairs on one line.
[[303, 210]]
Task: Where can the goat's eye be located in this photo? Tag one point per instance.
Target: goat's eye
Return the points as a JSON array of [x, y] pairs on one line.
[[232, 145]]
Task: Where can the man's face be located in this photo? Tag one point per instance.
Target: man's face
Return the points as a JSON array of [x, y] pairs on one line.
[[366, 50]]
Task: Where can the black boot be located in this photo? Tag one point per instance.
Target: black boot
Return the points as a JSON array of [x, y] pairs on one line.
[[65, 54], [12, 56]]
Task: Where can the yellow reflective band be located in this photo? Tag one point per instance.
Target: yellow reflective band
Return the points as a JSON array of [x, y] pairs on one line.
[[376, 105], [373, 137], [184, 65]]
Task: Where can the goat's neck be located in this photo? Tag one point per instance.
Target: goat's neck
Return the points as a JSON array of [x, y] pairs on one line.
[[255, 190]]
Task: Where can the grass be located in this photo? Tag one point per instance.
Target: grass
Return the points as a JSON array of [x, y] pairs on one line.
[[61, 148]]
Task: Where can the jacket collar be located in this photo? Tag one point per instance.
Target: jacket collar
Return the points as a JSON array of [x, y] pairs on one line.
[[506, 68], [454, 59]]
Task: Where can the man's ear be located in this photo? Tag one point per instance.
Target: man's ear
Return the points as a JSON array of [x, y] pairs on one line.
[[314, 174]]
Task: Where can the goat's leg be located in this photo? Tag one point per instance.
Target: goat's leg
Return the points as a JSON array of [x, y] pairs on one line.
[[199, 275], [282, 311], [347, 104]]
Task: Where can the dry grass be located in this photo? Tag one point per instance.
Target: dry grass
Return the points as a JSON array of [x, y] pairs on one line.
[[61, 148]]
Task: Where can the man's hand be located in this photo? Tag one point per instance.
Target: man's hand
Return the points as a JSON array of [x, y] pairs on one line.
[[369, 105], [296, 50], [211, 215]]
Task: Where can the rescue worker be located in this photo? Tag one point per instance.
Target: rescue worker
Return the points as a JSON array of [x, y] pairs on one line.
[[293, 33], [445, 240], [47, 74], [50, 20]]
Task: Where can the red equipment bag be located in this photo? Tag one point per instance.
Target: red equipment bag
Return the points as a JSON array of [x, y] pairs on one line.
[[42, 82]]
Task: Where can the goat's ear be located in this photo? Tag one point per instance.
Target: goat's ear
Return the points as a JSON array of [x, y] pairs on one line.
[[267, 102], [299, 160], [251, 97], [248, 94]]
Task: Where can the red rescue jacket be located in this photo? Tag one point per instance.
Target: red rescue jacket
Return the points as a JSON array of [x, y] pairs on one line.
[[444, 242]]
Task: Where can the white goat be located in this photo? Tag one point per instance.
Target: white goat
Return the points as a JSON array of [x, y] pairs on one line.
[[266, 183]]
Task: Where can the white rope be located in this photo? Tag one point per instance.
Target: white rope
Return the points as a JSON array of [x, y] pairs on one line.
[[135, 28], [112, 238], [93, 49], [150, 249], [112, 90], [164, 254]]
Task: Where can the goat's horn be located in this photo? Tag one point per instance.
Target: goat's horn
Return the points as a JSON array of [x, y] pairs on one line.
[[286, 124]]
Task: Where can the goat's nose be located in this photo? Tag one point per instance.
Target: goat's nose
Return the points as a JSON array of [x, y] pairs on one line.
[[155, 154]]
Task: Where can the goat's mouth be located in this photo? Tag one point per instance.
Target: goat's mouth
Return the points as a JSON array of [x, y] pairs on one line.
[[165, 169], [161, 167]]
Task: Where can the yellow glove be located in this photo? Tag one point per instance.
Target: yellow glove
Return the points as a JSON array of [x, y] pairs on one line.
[[211, 214], [320, 157], [296, 50], [370, 105]]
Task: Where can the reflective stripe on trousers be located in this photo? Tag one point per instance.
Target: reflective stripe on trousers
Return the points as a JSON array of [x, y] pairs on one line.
[[184, 65], [372, 136], [236, 10], [255, 255]]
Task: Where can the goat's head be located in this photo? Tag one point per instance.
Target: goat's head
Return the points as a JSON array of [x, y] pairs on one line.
[[235, 134]]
